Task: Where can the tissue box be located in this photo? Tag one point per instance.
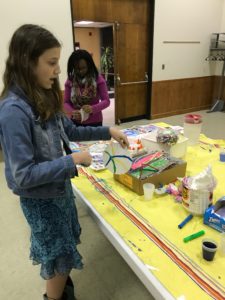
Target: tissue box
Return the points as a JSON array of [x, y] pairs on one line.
[[215, 215], [178, 150]]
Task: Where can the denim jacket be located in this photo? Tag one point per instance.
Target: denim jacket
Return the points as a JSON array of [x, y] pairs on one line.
[[35, 166]]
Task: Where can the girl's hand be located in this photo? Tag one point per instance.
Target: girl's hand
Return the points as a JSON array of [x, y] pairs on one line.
[[76, 115], [87, 108], [119, 137], [82, 158]]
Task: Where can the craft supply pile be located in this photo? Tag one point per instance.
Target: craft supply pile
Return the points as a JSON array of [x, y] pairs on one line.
[[156, 155]]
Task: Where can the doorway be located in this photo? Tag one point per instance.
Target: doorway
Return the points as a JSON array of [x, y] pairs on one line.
[[97, 39], [133, 50]]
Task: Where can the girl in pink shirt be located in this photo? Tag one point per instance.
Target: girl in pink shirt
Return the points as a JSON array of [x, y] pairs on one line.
[[86, 93]]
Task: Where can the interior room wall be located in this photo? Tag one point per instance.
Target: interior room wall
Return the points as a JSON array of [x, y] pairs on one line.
[[185, 20], [222, 27], [89, 39], [55, 15], [179, 20], [219, 65]]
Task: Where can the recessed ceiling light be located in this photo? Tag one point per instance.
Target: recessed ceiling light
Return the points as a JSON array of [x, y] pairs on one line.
[[83, 22]]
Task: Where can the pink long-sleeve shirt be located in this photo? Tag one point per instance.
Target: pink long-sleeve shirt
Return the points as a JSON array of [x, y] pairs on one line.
[[100, 102]]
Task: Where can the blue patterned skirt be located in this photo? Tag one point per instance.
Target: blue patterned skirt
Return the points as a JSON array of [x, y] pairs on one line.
[[55, 232]]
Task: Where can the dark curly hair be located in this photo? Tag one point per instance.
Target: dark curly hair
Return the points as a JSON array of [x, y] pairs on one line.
[[27, 44], [73, 61]]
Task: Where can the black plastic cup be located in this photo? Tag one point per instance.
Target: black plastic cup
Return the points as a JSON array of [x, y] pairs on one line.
[[209, 248]]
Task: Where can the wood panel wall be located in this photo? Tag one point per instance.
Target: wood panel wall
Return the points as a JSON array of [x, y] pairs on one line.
[[172, 97], [110, 11]]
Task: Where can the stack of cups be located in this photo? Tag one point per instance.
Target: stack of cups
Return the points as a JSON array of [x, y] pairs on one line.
[[192, 128]]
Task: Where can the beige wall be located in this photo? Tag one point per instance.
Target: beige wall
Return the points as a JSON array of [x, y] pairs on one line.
[[222, 27], [55, 15], [174, 20], [185, 20], [89, 39]]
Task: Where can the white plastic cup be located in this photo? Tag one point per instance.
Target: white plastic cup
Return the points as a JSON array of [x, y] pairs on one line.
[[149, 189]]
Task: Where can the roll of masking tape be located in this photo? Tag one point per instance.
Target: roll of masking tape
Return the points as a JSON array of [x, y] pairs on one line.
[[222, 156]]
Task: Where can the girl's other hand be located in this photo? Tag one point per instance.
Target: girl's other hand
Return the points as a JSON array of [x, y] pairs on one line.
[[82, 158], [87, 108], [119, 136], [76, 115]]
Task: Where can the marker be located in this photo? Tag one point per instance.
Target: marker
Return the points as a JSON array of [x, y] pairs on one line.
[[193, 236], [186, 220]]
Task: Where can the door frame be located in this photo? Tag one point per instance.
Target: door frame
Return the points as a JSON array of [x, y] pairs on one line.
[[150, 60]]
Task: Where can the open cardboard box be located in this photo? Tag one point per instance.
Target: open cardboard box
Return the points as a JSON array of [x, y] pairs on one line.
[[215, 215], [159, 179]]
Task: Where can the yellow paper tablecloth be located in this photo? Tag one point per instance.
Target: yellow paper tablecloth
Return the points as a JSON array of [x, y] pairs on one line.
[[177, 265]]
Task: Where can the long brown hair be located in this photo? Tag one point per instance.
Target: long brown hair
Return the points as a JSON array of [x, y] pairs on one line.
[[27, 44]]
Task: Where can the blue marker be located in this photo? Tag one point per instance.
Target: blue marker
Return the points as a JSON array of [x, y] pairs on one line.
[[186, 220]]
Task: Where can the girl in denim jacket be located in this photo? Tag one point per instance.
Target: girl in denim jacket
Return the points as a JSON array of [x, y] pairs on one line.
[[34, 136]]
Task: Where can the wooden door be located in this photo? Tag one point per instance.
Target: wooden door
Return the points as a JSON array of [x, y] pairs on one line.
[[131, 51], [131, 70]]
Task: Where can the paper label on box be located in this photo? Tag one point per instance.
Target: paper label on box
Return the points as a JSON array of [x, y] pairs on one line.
[[127, 180]]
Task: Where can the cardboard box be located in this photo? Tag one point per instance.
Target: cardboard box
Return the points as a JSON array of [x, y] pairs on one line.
[[215, 215], [164, 177]]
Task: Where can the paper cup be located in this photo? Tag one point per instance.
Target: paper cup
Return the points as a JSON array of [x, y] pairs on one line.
[[149, 189]]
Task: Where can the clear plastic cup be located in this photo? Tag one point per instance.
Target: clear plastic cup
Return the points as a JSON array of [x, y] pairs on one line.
[[149, 189], [192, 128]]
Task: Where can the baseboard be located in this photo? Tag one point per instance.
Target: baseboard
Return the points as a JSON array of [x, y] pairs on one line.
[[179, 112]]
